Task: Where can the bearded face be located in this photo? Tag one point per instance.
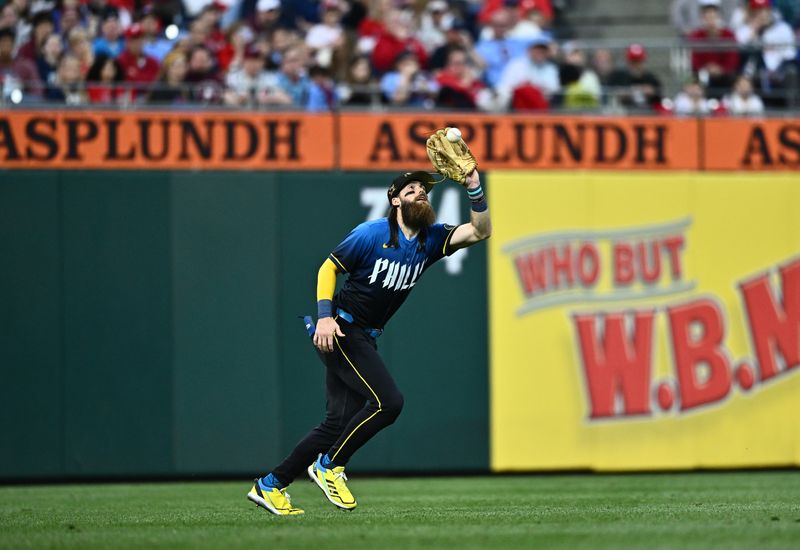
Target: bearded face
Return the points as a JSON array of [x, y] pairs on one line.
[[417, 213]]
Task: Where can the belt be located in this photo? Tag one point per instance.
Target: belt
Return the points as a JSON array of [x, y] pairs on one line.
[[373, 332]]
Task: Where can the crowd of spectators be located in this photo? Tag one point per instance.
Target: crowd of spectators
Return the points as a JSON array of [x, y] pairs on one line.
[[316, 55], [744, 54]]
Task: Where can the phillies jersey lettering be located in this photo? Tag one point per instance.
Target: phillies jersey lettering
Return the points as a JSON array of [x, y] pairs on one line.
[[380, 277]]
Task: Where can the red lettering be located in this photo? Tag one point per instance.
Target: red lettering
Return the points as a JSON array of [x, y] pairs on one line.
[[774, 327], [623, 264], [617, 365], [650, 273], [531, 271], [705, 349], [588, 264], [673, 246], [561, 266]]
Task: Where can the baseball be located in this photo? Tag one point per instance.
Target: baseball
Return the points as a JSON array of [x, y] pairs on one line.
[[453, 135]]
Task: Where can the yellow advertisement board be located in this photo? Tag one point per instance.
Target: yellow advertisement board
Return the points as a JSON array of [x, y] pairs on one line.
[[644, 321]]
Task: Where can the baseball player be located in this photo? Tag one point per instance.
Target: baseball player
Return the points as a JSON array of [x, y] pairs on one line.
[[383, 259]]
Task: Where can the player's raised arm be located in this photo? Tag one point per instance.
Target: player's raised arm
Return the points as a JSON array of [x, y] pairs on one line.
[[327, 327], [452, 158], [479, 227]]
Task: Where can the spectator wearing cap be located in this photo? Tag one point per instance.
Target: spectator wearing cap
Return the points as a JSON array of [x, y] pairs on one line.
[[42, 27], [137, 66], [497, 49], [533, 68], [459, 85], [267, 16], [716, 68], [743, 100], [407, 85], [771, 61], [397, 37], [635, 86], [686, 15], [16, 73], [110, 41], [327, 36], [251, 84], [434, 22]]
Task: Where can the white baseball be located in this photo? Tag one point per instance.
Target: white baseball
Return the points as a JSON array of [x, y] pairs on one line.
[[453, 135]]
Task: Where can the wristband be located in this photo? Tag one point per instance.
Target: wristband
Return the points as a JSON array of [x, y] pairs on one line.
[[324, 309], [479, 206], [478, 199]]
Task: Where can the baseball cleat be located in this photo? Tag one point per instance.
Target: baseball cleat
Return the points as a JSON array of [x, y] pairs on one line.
[[274, 500], [332, 483]]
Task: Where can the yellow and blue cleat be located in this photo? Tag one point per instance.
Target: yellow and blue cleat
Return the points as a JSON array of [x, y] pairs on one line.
[[274, 500], [332, 483]]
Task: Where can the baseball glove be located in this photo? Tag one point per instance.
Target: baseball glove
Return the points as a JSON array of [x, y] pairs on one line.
[[453, 160]]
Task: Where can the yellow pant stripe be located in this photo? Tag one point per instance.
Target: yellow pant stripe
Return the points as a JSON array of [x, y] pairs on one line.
[[380, 407]]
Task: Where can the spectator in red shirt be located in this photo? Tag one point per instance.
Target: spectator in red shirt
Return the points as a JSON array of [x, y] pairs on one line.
[[104, 81], [137, 67], [459, 85], [397, 38], [715, 68]]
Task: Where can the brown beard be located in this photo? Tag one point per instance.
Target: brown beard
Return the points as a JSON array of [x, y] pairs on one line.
[[417, 215]]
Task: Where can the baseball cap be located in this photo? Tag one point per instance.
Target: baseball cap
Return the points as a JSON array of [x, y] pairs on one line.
[[267, 5], [134, 31], [404, 179], [709, 3], [636, 52], [759, 4], [541, 39]]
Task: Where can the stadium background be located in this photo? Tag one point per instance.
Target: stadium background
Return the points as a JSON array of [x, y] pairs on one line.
[[150, 302]]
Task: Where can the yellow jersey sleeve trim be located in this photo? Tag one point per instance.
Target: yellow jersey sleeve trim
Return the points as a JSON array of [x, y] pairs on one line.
[[447, 241], [326, 280], [338, 263]]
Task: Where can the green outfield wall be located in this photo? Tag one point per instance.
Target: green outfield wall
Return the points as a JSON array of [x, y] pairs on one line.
[[149, 325]]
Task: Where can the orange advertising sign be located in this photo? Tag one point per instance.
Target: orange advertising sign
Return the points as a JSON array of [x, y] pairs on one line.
[[397, 142], [755, 144], [161, 140], [377, 141]]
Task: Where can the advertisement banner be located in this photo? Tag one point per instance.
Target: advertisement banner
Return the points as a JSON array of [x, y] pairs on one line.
[[644, 321], [754, 144], [397, 142], [165, 140]]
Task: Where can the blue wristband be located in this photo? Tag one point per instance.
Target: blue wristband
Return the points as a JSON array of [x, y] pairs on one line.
[[324, 309]]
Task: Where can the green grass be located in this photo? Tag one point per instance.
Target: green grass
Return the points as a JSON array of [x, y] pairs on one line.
[[696, 510]]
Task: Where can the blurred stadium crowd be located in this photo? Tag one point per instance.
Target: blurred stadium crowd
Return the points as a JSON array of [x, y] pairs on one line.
[[493, 55]]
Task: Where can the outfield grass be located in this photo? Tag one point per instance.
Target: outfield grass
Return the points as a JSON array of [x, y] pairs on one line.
[[724, 510]]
